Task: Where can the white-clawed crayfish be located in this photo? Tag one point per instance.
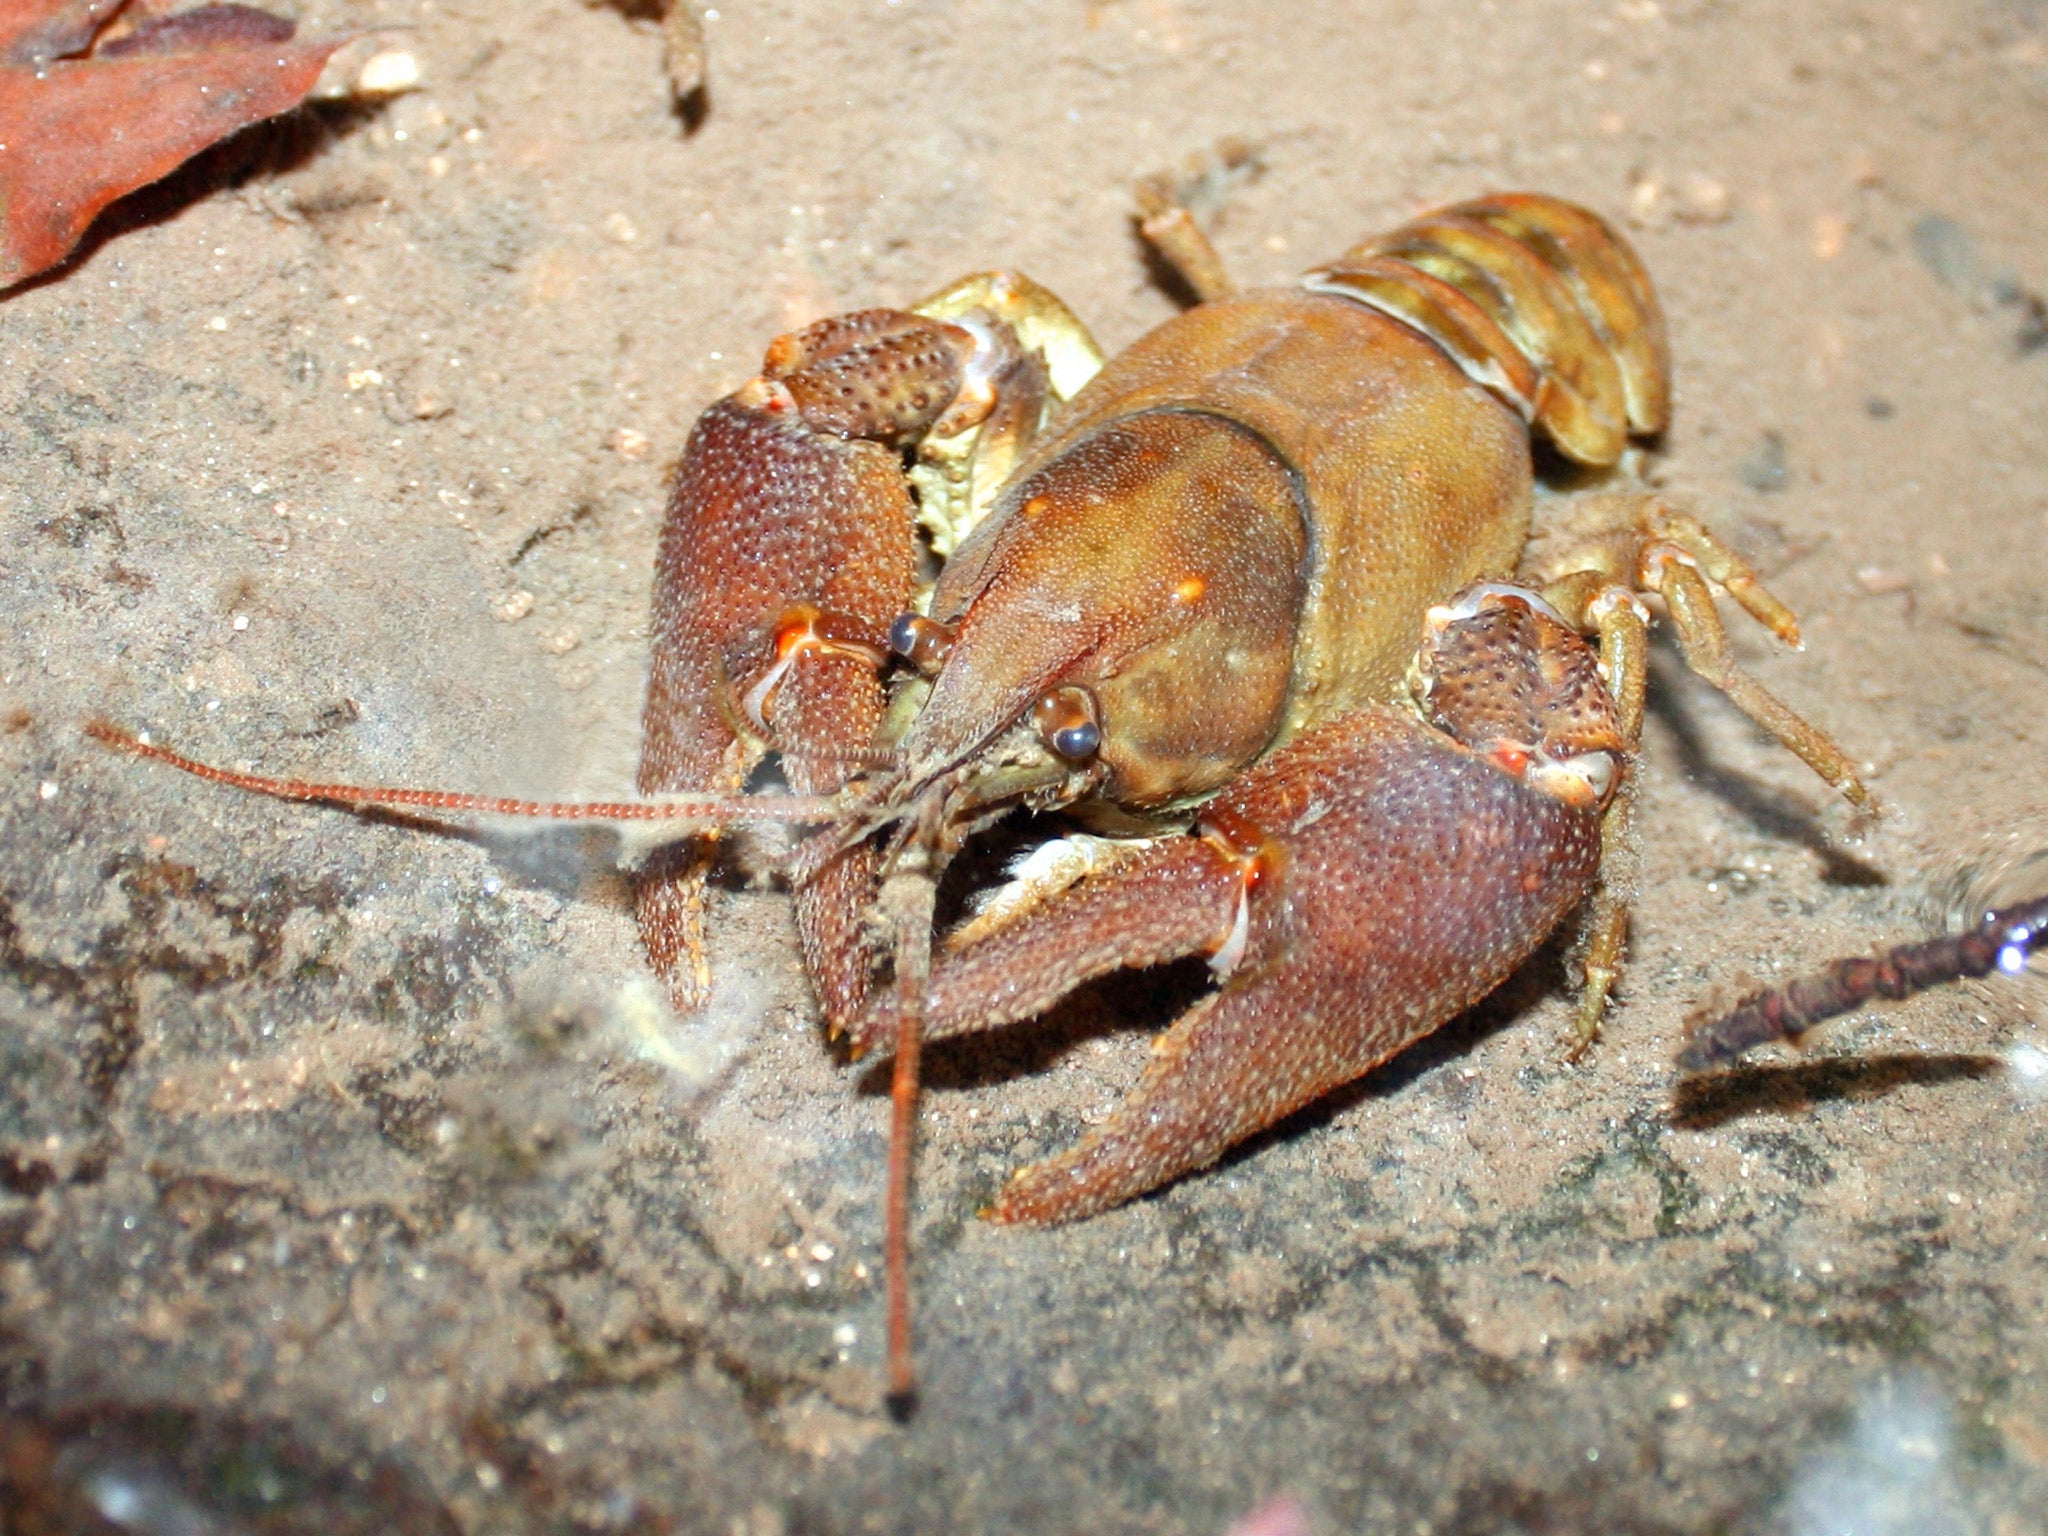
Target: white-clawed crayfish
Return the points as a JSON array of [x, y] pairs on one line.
[[1257, 599]]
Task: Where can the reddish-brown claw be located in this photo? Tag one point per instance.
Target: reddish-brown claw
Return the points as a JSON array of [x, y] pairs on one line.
[[1354, 891], [785, 558]]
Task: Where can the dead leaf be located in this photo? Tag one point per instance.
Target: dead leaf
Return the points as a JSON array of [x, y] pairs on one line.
[[93, 107]]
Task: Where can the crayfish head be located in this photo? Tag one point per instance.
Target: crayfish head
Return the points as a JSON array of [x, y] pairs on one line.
[[1502, 673], [1123, 622]]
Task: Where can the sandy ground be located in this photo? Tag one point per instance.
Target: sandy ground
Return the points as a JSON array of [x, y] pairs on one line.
[[360, 1157]]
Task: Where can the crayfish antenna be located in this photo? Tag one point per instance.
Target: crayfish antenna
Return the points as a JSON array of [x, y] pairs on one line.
[[879, 759], [713, 810], [908, 900]]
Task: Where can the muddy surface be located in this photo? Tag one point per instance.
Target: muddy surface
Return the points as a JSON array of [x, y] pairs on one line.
[[348, 1167]]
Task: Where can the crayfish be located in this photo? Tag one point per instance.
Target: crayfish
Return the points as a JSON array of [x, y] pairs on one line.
[[1255, 602]]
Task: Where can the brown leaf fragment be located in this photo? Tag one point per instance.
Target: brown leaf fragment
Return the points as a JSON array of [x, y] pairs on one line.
[[90, 111], [33, 32], [211, 26]]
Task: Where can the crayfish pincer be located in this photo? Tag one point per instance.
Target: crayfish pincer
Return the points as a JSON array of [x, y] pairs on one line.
[[1257, 601], [1353, 890]]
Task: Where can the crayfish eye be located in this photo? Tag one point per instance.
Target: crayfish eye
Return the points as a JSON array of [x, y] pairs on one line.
[[1065, 721]]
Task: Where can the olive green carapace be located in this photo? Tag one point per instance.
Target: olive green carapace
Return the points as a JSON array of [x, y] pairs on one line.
[[1413, 479]]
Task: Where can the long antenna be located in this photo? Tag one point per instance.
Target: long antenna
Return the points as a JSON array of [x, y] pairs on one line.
[[717, 809], [911, 893]]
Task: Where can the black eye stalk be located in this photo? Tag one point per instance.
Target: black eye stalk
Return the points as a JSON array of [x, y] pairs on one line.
[[1065, 722]]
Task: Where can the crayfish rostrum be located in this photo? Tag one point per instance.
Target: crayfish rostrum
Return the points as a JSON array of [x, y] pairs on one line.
[[1257, 601]]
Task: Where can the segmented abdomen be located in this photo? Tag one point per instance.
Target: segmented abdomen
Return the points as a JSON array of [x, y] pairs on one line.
[[1539, 300]]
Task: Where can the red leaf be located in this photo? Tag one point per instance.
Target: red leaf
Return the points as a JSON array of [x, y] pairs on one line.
[[82, 124]]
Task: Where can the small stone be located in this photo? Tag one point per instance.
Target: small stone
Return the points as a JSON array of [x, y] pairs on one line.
[[390, 73], [1879, 582], [1830, 235], [1646, 202], [1703, 201]]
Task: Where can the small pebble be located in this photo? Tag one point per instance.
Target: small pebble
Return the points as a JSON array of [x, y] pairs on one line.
[[389, 73]]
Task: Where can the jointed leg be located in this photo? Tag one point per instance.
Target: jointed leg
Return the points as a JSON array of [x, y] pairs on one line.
[[1615, 549], [1639, 543], [1171, 230], [1700, 636], [1169, 227], [1623, 627]]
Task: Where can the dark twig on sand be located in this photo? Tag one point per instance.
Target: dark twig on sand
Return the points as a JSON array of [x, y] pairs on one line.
[[2002, 942]]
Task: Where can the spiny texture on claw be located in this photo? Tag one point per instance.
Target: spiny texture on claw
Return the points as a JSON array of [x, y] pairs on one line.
[[1506, 671], [876, 373], [790, 493], [1354, 890], [1416, 878]]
